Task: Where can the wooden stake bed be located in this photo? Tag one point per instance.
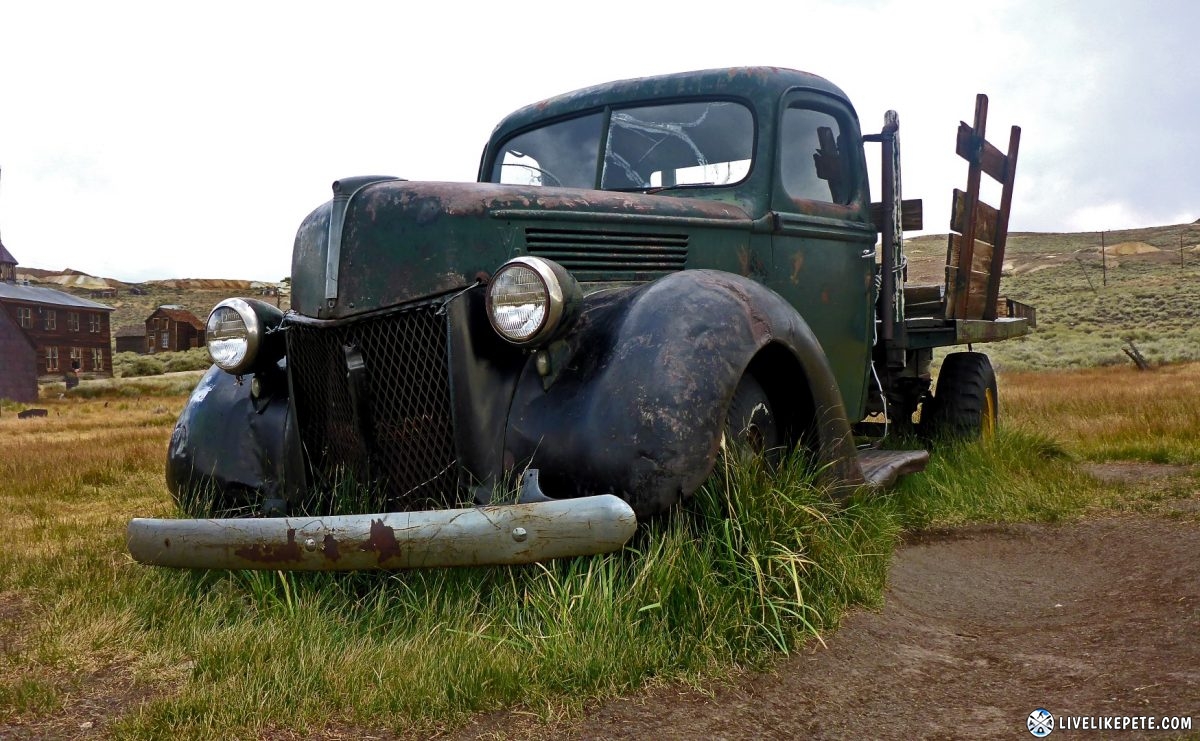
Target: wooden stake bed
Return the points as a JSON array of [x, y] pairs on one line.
[[975, 254]]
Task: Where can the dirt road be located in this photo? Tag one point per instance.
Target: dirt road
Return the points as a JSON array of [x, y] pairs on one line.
[[980, 627]]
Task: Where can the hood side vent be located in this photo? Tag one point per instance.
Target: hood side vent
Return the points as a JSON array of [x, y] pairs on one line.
[[593, 255]]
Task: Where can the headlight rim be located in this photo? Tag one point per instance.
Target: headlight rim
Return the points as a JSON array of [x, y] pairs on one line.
[[254, 333], [558, 300]]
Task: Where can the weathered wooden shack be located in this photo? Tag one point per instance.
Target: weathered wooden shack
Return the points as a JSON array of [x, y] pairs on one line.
[[172, 328], [131, 338]]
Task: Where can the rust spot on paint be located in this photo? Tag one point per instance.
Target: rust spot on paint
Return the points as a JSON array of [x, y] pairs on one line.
[[330, 548], [382, 541], [272, 553], [825, 296], [797, 266]]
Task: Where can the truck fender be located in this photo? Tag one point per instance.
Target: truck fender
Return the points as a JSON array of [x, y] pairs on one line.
[[638, 407], [230, 450]]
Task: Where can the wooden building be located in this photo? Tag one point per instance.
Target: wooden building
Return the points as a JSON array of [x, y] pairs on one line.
[[67, 333], [18, 362], [172, 328], [131, 338]]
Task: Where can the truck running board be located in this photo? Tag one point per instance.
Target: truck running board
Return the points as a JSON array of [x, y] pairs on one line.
[[881, 468]]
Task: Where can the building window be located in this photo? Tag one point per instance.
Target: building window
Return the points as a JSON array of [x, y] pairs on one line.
[[166, 341], [76, 358], [93, 323], [25, 315], [73, 321], [50, 319], [97, 359], [51, 359]]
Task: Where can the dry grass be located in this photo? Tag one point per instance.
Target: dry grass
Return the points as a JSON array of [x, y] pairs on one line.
[[1111, 414]]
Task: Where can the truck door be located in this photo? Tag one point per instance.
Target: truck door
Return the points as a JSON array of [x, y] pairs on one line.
[[823, 248]]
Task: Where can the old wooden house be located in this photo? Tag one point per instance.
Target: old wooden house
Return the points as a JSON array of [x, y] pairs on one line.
[[18, 361], [131, 338], [172, 328], [67, 333]]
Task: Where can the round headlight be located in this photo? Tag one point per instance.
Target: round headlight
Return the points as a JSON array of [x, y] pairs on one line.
[[530, 300], [233, 335]]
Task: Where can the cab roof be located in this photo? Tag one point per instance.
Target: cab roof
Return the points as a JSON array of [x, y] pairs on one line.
[[758, 85]]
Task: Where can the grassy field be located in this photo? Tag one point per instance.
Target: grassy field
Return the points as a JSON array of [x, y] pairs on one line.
[[1082, 322], [754, 568]]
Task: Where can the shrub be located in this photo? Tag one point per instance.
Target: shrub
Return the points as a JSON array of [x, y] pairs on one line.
[[195, 359], [141, 365]]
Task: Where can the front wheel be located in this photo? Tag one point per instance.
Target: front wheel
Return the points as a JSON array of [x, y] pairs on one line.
[[965, 403], [750, 423]]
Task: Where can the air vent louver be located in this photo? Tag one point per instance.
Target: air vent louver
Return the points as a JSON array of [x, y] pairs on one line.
[[593, 255]]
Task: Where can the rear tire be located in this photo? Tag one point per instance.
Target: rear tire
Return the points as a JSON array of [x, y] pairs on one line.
[[965, 404]]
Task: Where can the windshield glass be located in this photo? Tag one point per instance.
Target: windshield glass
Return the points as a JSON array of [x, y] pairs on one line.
[[706, 143]]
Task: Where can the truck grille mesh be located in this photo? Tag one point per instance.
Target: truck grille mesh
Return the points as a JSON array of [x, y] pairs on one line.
[[388, 426], [593, 255]]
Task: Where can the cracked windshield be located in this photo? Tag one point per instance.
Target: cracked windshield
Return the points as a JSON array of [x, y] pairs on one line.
[[696, 144]]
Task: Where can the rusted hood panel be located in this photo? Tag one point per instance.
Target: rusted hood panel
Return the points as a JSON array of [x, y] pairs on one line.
[[404, 241]]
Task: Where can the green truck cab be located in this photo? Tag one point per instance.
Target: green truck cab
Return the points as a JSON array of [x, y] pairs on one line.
[[645, 271]]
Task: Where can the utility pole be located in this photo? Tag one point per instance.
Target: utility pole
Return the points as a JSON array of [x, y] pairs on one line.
[[1181, 252], [1103, 259]]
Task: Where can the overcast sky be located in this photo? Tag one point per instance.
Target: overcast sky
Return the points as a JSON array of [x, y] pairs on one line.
[[165, 140]]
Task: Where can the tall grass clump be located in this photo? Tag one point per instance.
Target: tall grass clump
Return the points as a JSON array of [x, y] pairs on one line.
[[1015, 476], [752, 566]]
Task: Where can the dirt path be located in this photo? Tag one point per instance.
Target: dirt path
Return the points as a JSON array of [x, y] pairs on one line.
[[980, 627]]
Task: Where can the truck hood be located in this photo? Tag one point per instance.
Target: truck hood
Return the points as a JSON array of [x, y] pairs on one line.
[[402, 241]]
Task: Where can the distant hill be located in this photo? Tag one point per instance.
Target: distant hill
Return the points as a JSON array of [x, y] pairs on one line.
[[1145, 287], [133, 302]]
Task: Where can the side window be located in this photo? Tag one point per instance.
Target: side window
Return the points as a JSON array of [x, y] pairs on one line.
[[814, 163]]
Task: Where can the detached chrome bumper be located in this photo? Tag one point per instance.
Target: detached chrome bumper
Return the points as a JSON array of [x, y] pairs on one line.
[[503, 534]]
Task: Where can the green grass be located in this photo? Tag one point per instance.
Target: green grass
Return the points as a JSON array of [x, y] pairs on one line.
[[754, 567]]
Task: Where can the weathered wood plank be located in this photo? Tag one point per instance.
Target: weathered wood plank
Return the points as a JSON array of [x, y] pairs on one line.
[[986, 218], [1001, 240], [912, 216], [975, 286], [989, 158]]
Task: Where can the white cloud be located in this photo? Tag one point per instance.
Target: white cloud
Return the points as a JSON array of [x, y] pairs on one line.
[[149, 140]]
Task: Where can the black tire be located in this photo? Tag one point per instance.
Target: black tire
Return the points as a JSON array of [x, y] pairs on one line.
[[965, 404], [750, 423]]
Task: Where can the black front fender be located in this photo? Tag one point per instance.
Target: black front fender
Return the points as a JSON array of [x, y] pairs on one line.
[[230, 449], [638, 409]]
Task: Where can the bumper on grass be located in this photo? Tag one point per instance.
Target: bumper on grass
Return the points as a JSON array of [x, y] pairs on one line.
[[490, 535]]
